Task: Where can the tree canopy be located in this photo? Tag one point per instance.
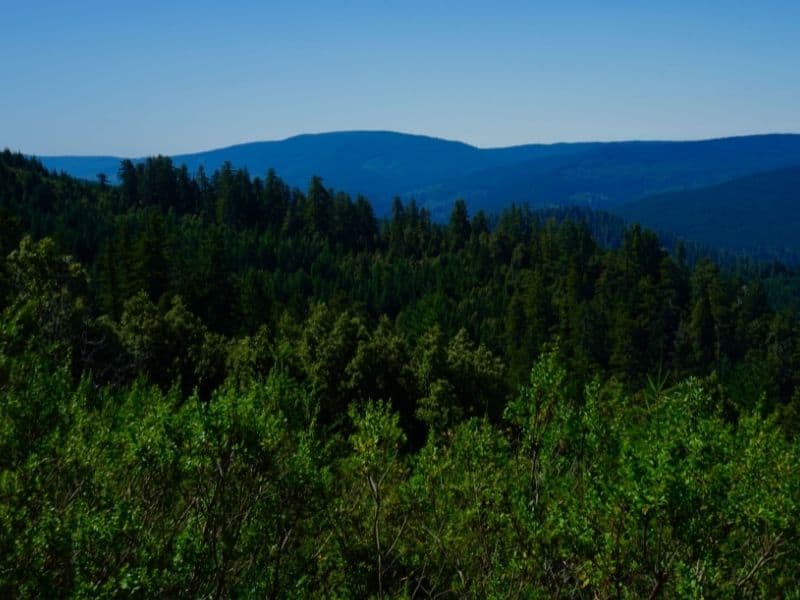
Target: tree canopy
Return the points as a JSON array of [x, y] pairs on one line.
[[215, 385]]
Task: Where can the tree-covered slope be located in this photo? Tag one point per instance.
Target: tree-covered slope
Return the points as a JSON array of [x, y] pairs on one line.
[[220, 386], [758, 214]]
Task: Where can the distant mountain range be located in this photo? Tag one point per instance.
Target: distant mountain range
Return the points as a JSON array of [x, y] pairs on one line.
[[381, 165], [740, 193]]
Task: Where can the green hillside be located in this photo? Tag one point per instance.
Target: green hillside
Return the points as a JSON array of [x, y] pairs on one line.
[[222, 386]]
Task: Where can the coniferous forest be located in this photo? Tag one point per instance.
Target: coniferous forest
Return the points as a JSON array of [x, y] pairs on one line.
[[215, 385]]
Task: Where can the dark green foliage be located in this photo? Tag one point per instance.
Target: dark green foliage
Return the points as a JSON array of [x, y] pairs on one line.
[[244, 390]]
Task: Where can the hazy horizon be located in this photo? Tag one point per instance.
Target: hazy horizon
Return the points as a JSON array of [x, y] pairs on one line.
[[408, 133]]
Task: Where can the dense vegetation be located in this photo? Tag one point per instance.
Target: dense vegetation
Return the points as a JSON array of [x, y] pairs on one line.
[[216, 385]]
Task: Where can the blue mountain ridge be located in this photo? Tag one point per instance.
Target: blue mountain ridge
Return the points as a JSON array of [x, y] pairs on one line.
[[382, 164]]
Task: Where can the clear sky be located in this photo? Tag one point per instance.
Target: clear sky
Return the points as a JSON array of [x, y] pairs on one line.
[[135, 78]]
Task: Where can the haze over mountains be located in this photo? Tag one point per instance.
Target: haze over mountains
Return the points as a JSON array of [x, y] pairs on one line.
[[674, 186]]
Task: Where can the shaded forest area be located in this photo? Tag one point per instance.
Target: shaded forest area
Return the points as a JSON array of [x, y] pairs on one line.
[[214, 385]]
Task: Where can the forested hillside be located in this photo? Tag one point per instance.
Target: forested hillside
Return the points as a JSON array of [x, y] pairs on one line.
[[216, 385], [758, 215]]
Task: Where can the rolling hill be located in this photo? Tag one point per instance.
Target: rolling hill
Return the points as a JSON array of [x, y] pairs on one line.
[[381, 165], [758, 215]]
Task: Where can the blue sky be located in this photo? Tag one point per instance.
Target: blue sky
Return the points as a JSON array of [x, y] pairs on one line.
[[135, 78]]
